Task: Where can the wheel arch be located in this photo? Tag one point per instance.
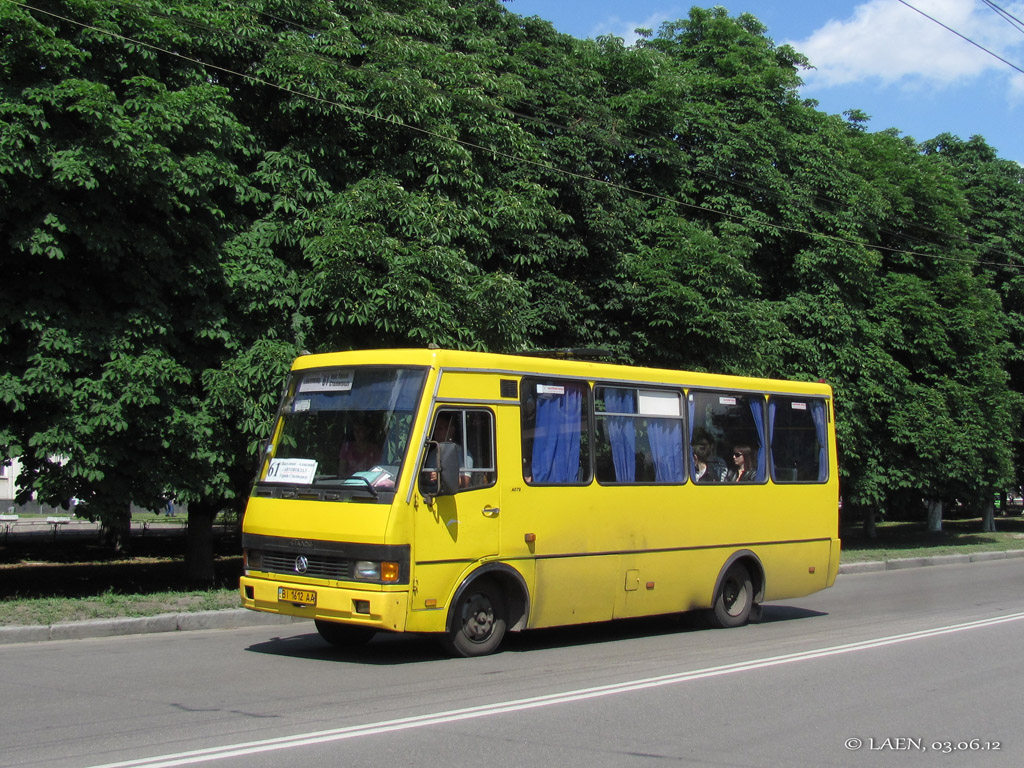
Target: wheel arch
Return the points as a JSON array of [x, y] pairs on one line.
[[754, 567], [513, 588]]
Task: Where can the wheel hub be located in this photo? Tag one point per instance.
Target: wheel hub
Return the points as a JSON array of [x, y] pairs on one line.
[[479, 618]]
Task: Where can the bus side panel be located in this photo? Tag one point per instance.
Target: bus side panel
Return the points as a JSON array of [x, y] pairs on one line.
[[666, 582], [434, 583], [614, 552], [574, 590], [795, 570]]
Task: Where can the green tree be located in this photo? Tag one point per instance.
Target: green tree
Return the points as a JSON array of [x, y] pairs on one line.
[[118, 176], [386, 173]]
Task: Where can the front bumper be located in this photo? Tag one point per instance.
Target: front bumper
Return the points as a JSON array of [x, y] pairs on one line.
[[378, 609]]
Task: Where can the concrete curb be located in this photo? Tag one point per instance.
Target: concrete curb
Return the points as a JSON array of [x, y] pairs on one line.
[[918, 562], [235, 618], [165, 622]]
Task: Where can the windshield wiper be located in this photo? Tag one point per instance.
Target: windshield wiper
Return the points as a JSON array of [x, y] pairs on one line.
[[360, 479]]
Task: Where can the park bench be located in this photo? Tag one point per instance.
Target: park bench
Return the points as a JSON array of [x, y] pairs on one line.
[[8, 521], [167, 522], [56, 522]]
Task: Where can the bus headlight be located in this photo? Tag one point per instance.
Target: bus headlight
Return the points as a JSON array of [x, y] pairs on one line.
[[367, 570], [386, 572]]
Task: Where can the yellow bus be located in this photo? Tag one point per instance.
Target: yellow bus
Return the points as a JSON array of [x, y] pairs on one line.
[[468, 494]]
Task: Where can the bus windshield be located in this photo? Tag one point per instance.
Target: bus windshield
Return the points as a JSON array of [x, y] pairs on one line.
[[344, 428]]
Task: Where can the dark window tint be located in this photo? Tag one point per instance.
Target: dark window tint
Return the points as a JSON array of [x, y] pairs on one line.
[[726, 437], [797, 430]]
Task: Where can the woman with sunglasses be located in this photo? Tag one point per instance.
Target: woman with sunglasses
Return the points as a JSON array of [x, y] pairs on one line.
[[745, 466]]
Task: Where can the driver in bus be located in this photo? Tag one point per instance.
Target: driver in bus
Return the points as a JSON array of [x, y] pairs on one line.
[[448, 429], [360, 451]]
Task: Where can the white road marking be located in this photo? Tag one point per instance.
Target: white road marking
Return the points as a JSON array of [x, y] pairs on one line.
[[455, 715]]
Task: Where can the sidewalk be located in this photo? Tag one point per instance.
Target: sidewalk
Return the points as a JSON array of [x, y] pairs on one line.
[[240, 617], [14, 528]]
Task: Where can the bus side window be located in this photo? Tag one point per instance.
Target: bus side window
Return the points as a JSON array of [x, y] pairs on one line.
[[556, 432], [479, 465], [797, 435], [732, 423], [639, 435], [471, 431]]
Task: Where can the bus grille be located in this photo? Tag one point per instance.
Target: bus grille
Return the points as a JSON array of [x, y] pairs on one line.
[[318, 566]]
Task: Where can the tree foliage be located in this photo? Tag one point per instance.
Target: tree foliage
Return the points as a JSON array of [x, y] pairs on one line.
[[191, 193]]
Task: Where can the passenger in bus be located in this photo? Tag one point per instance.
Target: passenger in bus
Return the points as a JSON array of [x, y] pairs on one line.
[[359, 451], [745, 465], [707, 466]]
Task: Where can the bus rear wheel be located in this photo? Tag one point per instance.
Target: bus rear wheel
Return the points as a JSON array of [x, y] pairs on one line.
[[735, 598], [479, 619], [343, 635]]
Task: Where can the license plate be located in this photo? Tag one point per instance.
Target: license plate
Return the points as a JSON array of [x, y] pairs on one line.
[[303, 596]]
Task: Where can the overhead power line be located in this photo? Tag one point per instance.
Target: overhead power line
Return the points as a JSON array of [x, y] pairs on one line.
[[963, 37], [1008, 17]]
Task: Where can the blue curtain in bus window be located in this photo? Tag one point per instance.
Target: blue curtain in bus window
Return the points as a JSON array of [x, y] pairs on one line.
[[773, 406], [556, 444], [818, 414], [757, 413], [666, 438], [622, 432], [691, 409]]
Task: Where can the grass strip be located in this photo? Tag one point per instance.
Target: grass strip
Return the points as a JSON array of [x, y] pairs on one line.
[[898, 539], [110, 605]]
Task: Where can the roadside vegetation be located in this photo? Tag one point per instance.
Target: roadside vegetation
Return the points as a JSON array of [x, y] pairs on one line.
[[111, 605], [912, 539], [45, 580], [47, 584], [234, 183]]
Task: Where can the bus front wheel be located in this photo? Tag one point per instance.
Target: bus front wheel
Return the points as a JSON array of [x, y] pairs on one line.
[[479, 620], [343, 635], [735, 598]]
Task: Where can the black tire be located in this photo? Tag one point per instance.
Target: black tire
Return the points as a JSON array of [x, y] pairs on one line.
[[735, 598], [478, 621], [344, 635]]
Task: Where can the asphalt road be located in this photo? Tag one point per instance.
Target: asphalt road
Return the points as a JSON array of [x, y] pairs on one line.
[[919, 667]]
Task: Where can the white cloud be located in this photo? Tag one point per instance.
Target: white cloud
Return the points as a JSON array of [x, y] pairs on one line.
[[887, 41], [1017, 90]]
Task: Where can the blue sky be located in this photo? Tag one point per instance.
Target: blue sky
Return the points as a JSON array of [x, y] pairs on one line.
[[879, 56]]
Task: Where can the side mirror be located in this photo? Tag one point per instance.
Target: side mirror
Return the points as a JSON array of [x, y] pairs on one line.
[[440, 473]]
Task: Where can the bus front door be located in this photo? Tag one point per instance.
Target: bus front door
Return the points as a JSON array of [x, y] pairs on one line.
[[457, 530]]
